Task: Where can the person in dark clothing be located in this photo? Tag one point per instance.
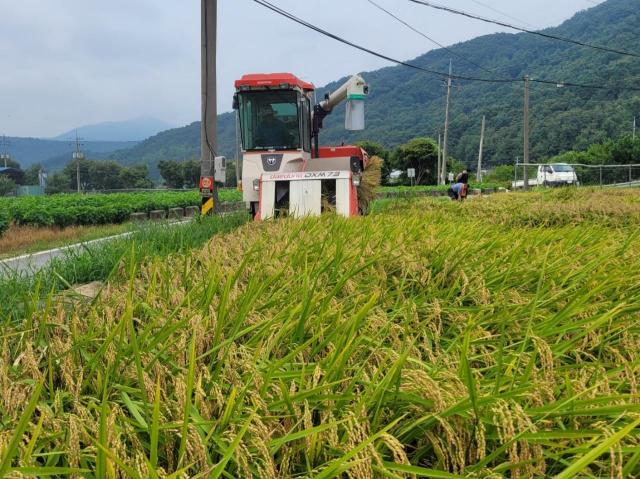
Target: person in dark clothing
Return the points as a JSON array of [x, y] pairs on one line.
[[463, 177], [458, 191]]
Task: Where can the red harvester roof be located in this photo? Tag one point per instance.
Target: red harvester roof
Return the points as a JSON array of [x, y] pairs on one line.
[[273, 79], [340, 151]]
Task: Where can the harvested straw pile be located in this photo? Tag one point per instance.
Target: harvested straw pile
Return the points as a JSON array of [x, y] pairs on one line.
[[371, 178]]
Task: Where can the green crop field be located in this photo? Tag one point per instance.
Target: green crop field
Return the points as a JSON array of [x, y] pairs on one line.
[[93, 209], [496, 338], [64, 210]]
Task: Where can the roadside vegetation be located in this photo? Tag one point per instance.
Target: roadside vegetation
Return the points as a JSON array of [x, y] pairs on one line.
[[20, 292], [492, 338], [29, 239]]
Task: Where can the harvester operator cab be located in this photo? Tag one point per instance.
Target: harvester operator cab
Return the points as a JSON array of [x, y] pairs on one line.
[[271, 119]]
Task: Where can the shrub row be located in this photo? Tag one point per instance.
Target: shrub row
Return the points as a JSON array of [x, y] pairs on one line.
[[73, 209]]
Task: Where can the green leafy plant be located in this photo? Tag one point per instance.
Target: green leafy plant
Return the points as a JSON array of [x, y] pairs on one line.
[[4, 221]]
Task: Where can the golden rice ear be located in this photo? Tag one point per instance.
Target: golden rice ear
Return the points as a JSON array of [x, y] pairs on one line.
[[415, 338]]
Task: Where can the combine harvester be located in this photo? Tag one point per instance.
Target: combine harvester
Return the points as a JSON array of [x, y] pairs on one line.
[[284, 170]]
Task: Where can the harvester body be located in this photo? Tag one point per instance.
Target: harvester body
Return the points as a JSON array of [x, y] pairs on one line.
[[283, 169]]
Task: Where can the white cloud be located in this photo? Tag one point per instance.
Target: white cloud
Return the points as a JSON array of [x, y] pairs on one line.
[[74, 62]]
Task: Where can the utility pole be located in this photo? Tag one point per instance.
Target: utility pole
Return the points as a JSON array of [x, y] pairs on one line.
[[479, 172], [208, 130], [445, 151], [526, 131], [634, 128], [4, 152], [77, 156], [439, 157]]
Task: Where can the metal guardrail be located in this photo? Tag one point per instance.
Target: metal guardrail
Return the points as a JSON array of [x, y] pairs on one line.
[[587, 174]]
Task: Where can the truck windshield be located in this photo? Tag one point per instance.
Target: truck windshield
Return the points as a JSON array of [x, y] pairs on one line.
[[562, 168], [269, 120]]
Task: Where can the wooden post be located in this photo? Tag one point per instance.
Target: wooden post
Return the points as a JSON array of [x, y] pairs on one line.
[[208, 127]]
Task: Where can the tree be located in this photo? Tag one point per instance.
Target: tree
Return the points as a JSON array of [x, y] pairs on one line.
[[190, 173], [420, 154], [58, 183], [135, 177], [231, 179], [70, 172], [502, 174], [104, 175], [178, 174], [376, 149], [10, 163], [7, 185], [32, 174], [171, 173]]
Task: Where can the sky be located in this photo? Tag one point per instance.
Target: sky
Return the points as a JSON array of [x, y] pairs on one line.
[[70, 63]]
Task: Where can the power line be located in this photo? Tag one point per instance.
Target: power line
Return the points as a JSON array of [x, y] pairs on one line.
[[502, 13], [556, 83], [424, 35], [292, 17], [532, 32]]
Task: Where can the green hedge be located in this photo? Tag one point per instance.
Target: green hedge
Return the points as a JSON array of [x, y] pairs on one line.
[[94, 209]]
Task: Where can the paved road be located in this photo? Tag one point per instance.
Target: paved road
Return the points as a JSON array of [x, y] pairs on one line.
[[30, 263]]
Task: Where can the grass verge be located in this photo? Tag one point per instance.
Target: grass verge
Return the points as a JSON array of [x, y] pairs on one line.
[[20, 293], [31, 239]]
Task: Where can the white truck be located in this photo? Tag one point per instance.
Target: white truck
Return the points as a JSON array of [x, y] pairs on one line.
[[553, 174]]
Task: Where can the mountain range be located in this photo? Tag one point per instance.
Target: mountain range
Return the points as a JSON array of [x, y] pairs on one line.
[[136, 129], [53, 154], [405, 103]]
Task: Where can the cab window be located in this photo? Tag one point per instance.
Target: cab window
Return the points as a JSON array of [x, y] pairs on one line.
[[269, 120]]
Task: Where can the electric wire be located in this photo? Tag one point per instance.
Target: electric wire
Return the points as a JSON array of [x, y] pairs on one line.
[[424, 35], [559, 84], [477, 2], [532, 32], [292, 17]]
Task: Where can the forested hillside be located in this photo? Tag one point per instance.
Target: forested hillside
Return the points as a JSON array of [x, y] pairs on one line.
[[178, 144], [406, 103]]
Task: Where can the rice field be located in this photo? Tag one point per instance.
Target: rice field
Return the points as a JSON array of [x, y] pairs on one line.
[[496, 338]]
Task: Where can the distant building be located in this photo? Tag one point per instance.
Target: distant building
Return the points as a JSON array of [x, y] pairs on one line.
[[14, 173]]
